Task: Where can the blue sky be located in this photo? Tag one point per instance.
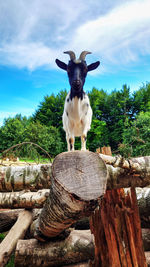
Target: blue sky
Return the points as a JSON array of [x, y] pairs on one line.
[[34, 33]]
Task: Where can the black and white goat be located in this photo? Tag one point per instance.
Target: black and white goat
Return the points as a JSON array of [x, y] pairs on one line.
[[77, 113]]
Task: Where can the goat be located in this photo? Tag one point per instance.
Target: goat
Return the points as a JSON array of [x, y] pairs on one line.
[[77, 115]]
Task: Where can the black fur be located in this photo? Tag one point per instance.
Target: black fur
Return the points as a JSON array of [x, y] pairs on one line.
[[77, 73]]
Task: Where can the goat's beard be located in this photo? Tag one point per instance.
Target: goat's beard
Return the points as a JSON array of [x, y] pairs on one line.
[[77, 91], [77, 87]]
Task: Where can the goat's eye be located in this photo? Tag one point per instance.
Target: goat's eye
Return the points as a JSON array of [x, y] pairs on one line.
[[84, 71]]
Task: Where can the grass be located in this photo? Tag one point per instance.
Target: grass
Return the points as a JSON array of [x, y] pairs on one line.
[[2, 237], [36, 160]]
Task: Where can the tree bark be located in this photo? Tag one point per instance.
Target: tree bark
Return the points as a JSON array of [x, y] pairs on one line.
[[116, 225], [78, 182], [121, 173], [33, 253], [77, 247], [9, 217], [143, 198], [134, 172], [27, 199], [146, 239], [17, 231], [147, 255], [23, 199], [32, 177]]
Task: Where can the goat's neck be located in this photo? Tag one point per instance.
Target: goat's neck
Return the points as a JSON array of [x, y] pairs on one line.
[[76, 107], [77, 94]]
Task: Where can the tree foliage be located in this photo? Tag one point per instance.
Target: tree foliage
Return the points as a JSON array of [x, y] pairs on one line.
[[136, 136], [120, 120], [20, 129]]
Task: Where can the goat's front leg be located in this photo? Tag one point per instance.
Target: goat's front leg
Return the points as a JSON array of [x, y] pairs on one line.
[[83, 142], [70, 143]]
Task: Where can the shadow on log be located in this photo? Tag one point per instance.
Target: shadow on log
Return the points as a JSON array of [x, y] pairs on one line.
[[78, 182]]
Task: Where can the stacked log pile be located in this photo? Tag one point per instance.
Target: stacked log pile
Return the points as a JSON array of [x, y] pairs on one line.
[[77, 181]]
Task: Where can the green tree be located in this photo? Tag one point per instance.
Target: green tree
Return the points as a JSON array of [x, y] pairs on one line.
[[109, 115], [98, 135], [136, 136], [50, 113], [12, 132], [141, 99], [46, 137], [50, 110], [20, 129], [118, 109], [113, 115]]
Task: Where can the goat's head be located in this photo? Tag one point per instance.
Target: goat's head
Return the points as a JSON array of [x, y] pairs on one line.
[[77, 69]]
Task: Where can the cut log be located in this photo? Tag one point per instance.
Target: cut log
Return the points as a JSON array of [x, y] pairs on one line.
[[9, 217], [117, 225], [122, 173], [32, 177], [77, 247], [33, 253], [147, 255], [143, 198], [23, 199], [134, 172], [7, 221], [18, 231], [78, 182], [27, 199], [146, 239]]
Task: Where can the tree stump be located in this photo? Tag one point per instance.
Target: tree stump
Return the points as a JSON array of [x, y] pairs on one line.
[[117, 231], [78, 182]]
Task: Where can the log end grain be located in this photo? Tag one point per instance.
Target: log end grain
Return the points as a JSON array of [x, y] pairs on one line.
[[82, 173]]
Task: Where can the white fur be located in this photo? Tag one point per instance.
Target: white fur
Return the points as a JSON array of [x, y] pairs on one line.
[[77, 117]]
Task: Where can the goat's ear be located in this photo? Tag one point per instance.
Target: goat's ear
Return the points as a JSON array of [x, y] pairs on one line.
[[93, 66], [61, 64]]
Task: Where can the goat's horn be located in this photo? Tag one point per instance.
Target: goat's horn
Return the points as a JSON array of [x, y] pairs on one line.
[[71, 54], [83, 55]]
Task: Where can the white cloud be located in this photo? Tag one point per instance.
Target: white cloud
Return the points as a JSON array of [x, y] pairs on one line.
[[120, 36], [11, 114], [34, 33], [30, 55]]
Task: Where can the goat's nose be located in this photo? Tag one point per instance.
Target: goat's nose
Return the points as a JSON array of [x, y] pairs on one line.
[[77, 82]]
